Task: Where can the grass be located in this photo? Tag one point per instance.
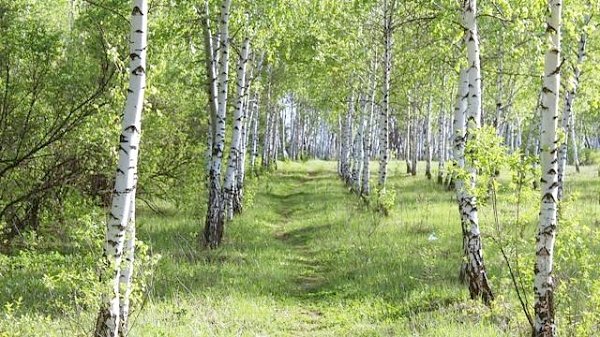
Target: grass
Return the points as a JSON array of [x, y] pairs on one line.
[[308, 258]]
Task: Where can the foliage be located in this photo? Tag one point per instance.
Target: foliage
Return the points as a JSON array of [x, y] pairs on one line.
[[590, 157]]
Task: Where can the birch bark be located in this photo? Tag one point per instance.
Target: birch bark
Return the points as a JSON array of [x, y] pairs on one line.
[[109, 315], [230, 191], [215, 217], [366, 173], [428, 145], [384, 150], [543, 288], [567, 117], [476, 274]]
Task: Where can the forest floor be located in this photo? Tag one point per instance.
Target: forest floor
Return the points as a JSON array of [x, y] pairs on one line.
[[309, 258]]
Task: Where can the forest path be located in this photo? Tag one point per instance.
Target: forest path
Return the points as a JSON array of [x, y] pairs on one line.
[[308, 258], [298, 229]]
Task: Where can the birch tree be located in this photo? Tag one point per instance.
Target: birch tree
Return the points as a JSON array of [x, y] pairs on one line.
[[215, 217], [112, 314], [476, 274], [543, 288], [459, 158], [384, 151], [230, 191], [567, 115]]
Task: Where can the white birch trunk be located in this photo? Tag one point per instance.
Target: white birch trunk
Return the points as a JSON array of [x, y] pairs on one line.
[[108, 322], [413, 140], [441, 147], [428, 145], [126, 276], [407, 143], [210, 64], [459, 126], [358, 151], [384, 151], [215, 218], [567, 117], [574, 147], [544, 321], [230, 192], [476, 274], [255, 127], [366, 172]]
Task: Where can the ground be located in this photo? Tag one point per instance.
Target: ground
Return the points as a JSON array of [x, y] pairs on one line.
[[309, 258]]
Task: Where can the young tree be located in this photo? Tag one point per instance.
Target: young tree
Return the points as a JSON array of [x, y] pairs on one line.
[[122, 213]]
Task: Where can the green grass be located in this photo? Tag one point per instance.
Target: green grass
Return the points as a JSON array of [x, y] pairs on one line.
[[308, 258]]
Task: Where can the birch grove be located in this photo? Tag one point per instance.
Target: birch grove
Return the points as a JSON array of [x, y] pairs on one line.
[[266, 124]]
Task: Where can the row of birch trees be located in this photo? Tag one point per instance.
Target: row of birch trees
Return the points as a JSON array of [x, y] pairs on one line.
[[354, 81]]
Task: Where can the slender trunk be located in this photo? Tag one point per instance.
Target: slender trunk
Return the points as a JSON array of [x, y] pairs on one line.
[[255, 127], [441, 147], [121, 215], [230, 193], [476, 274], [459, 127], [267, 149], [126, 276], [407, 152], [215, 217], [211, 84], [543, 288], [384, 151], [574, 147], [413, 141], [366, 174], [358, 151], [428, 145]]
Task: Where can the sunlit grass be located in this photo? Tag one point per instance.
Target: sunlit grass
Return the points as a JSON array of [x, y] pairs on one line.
[[308, 258]]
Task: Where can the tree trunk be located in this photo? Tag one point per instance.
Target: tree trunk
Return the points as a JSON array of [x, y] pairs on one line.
[[255, 127], [407, 152], [459, 126], [366, 173], [126, 276], [428, 145], [441, 147], [476, 274], [230, 192], [121, 217], [544, 322], [358, 150], [413, 140], [215, 217], [574, 143], [384, 150]]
